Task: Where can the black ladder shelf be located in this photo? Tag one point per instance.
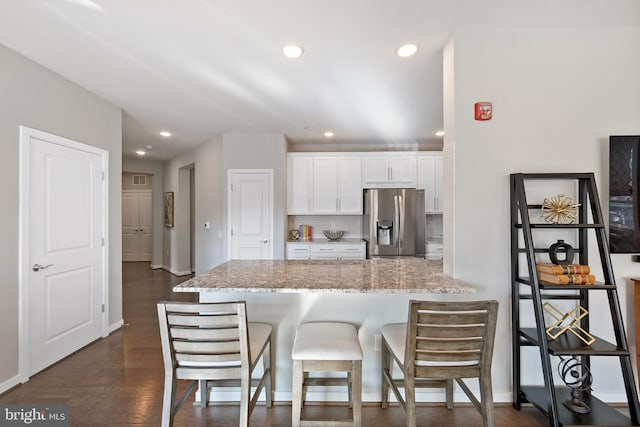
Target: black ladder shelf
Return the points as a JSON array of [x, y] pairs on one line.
[[549, 398]]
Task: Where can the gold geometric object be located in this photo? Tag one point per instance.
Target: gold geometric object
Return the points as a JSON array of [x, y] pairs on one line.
[[559, 209], [573, 318]]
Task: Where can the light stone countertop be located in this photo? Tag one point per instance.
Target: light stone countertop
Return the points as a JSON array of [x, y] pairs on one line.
[[381, 275]]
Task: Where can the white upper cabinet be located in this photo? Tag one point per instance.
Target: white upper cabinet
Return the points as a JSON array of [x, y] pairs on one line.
[[330, 184], [430, 180], [350, 185], [376, 170], [299, 185], [325, 185], [389, 170]]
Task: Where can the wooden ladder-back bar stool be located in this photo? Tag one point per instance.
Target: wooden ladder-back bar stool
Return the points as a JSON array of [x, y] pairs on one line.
[[442, 342], [327, 347], [213, 345]]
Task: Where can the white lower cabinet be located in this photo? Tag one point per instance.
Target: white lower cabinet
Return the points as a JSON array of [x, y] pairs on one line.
[[356, 251], [297, 250], [319, 251], [324, 251]]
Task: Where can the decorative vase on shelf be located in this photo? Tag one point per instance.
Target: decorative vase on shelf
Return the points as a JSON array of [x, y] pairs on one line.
[[558, 248]]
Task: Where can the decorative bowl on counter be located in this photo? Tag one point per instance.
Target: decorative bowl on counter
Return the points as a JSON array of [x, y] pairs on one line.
[[333, 234]]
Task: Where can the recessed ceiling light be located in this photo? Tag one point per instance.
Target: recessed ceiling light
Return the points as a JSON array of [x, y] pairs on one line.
[[165, 134], [440, 133], [149, 147], [141, 152], [292, 51], [407, 50], [328, 134]]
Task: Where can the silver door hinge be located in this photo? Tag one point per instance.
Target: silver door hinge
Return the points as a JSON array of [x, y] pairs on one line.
[[103, 176], [103, 241], [231, 187], [232, 231], [103, 308]]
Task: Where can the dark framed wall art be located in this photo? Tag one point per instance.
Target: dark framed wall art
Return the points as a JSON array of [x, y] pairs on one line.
[[168, 209]]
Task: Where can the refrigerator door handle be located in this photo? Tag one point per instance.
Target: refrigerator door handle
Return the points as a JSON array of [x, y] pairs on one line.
[[396, 219], [401, 222]]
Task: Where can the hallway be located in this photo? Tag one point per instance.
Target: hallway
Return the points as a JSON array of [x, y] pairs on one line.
[[117, 381]]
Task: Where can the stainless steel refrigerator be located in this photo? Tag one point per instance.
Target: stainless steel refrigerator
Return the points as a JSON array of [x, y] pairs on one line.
[[393, 223]]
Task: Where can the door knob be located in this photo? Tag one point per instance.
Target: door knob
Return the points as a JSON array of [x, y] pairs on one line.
[[263, 241], [38, 267]]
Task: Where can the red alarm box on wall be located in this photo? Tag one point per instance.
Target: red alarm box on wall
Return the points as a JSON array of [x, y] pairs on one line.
[[483, 110]]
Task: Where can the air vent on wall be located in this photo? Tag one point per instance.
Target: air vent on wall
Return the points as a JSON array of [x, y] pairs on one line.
[[139, 180]]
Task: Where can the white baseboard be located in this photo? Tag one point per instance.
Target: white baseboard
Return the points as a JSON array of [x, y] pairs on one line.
[[423, 396], [180, 273], [172, 271], [116, 326], [10, 383], [157, 266], [176, 272]]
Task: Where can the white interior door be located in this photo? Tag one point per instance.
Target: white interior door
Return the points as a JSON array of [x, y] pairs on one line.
[[251, 214], [64, 230], [129, 226], [137, 225]]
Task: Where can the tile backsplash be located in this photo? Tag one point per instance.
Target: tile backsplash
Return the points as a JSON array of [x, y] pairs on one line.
[[352, 224]]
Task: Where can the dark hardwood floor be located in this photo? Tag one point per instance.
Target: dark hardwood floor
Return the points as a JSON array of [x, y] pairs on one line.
[[117, 381]]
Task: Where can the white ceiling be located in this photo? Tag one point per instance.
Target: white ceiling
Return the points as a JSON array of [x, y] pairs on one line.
[[203, 67]]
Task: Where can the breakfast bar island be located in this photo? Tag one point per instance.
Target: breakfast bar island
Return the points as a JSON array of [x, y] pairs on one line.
[[366, 293]]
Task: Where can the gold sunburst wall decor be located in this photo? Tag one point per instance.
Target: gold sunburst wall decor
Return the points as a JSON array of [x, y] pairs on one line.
[[559, 209]]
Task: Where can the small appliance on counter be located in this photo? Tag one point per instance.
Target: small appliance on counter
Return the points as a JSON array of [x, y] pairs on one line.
[[393, 223]]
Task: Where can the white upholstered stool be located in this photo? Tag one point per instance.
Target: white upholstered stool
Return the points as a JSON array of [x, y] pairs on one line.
[[327, 347]]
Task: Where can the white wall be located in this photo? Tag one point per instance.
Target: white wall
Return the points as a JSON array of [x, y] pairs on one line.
[[448, 155], [38, 98], [211, 161], [557, 96], [210, 207], [262, 151], [155, 169], [209, 185], [175, 240]]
